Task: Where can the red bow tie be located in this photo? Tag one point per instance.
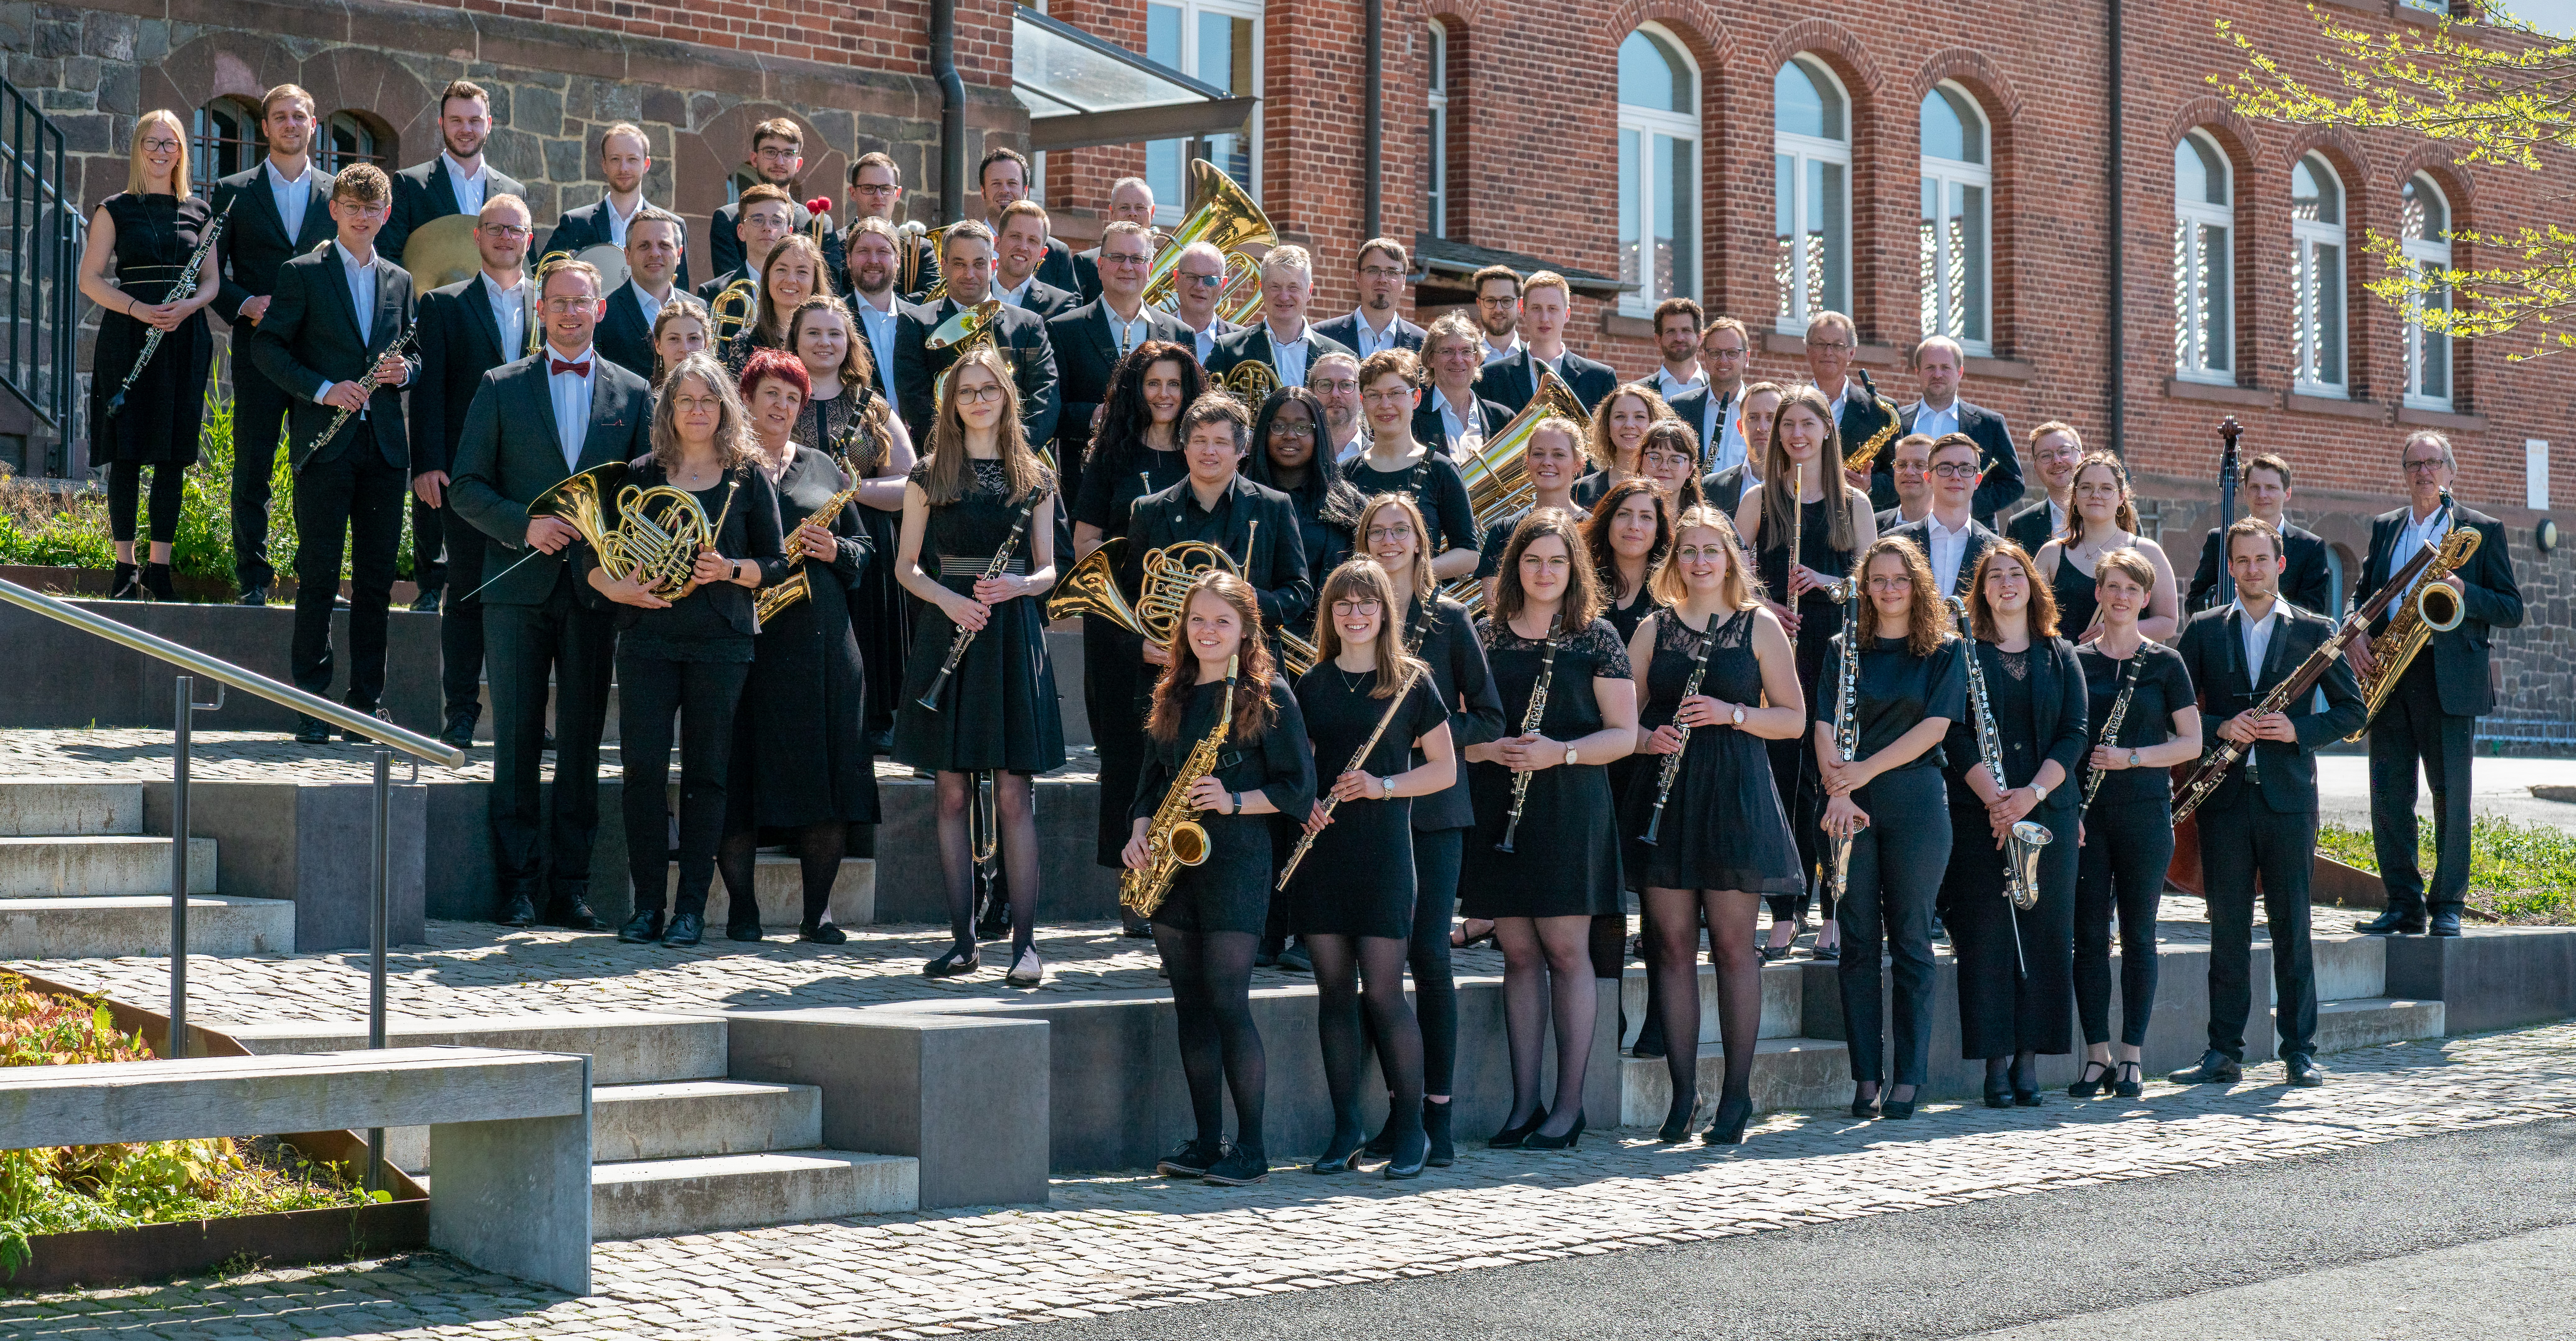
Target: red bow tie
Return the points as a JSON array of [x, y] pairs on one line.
[[581, 369]]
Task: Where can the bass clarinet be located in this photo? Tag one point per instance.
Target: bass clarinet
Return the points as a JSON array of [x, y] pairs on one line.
[[1529, 726], [1673, 762], [965, 636], [181, 291]]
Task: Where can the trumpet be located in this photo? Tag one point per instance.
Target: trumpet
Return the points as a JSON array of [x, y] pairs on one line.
[[733, 310]]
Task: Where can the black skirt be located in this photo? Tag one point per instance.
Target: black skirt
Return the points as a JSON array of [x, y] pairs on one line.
[[1357, 879]]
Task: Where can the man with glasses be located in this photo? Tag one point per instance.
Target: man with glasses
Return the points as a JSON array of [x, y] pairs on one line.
[[1861, 415], [1196, 278], [2431, 715], [966, 260], [2263, 484], [1335, 380], [1374, 325], [761, 220], [2055, 450], [624, 158], [1091, 339], [1452, 417], [876, 190], [1940, 412], [1282, 338], [1498, 310], [654, 257], [1714, 410], [458, 179], [1950, 536], [1130, 201], [1511, 381], [778, 159], [1911, 463]]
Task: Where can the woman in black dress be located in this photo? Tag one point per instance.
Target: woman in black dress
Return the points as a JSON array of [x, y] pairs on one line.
[[1352, 897], [1552, 460], [850, 424], [1284, 435], [2127, 824], [147, 233], [2104, 518], [1721, 839], [801, 772], [1889, 802], [2016, 987], [1628, 535], [1616, 445], [1563, 867], [791, 273], [688, 658], [1390, 389], [1209, 922], [1803, 494], [997, 713]]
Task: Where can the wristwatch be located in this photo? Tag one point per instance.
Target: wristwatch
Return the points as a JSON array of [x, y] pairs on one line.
[[2038, 793], [1386, 788], [2133, 758], [1569, 756], [1739, 714]]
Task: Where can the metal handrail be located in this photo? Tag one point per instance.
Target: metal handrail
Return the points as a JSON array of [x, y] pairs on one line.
[[224, 672]]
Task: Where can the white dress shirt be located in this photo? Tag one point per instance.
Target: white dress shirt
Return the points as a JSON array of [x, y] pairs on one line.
[[1204, 339], [879, 324], [1504, 350], [617, 222], [1370, 340], [1948, 547], [1668, 386], [1730, 436], [2421, 534], [1018, 297], [468, 186], [1289, 357], [1555, 365], [1464, 427], [571, 395], [361, 279], [1932, 423], [1125, 335], [509, 313], [650, 305], [2258, 637], [292, 194]]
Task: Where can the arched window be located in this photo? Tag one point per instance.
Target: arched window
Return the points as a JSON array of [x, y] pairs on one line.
[[741, 179], [1436, 200], [1958, 186], [2204, 291], [2316, 278], [1811, 171], [228, 138], [1658, 169], [349, 139], [2424, 219]]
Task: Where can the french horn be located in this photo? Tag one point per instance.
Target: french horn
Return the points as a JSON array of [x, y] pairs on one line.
[[653, 535]]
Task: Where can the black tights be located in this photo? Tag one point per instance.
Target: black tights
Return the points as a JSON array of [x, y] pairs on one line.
[[1547, 975], [1015, 815], [1342, 964], [1672, 970], [819, 850], [1436, 854], [125, 482], [1220, 1048]]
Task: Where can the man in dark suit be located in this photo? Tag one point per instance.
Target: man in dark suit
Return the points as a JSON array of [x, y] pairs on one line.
[[1255, 525], [876, 191], [872, 250], [329, 338], [1017, 249], [1911, 462], [1003, 177], [284, 212], [761, 220], [1510, 381], [1374, 324], [2431, 714], [1282, 338], [1861, 415], [1452, 417], [1942, 364], [1713, 408], [654, 256], [1759, 405], [2264, 484], [624, 158], [456, 181], [466, 330], [533, 423], [966, 258], [1091, 339], [1950, 536], [778, 159], [2055, 450], [2260, 824]]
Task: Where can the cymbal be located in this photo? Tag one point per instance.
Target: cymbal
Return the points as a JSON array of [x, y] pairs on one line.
[[441, 252], [610, 261]]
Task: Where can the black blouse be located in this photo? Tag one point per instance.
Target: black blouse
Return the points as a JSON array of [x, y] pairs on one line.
[[715, 622], [1279, 765], [1465, 686], [1498, 537], [1572, 712], [1113, 478], [2163, 689], [1897, 691], [1437, 488]]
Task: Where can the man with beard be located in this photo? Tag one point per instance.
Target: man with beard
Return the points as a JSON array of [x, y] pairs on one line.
[[1003, 177], [876, 192], [457, 180], [1374, 325], [873, 246]]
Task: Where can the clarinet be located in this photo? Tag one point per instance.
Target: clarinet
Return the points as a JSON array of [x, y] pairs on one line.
[[2119, 713], [965, 636], [1673, 762], [181, 291], [367, 386], [1529, 725]]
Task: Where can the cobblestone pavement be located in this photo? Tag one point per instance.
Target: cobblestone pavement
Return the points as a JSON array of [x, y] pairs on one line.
[[1110, 1244]]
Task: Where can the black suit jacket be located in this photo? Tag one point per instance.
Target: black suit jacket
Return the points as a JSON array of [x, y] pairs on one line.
[[1275, 564], [1058, 271], [508, 454], [2029, 528], [424, 192], [2490, 600], [1251, 344], [1980, 539], [459, 342], [1086, 269], [1725, 488], [310, 336], [2002, 485], [255, 242], [836, 256], [1691, 407], [586, 227], [624, 337], [2309, 583], [1429, 427], [1857, 423], [724, 240], [2213, 650], [1048, 301], [1022, 337], [1509, 382], [1085, 359], [706, 293], [1344, 330]]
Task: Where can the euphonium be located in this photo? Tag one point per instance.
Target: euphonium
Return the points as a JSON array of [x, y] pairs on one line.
[[1091, 588], [732, 310], [1227, 219], [2433, 608], [1173, 839], [966, 328]]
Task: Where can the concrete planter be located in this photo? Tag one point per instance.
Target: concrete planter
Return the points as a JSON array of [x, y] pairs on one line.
[[96, 1258]]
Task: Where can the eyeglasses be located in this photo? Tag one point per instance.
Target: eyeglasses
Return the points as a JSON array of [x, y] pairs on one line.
[[511, 231], [1347, 608], [159, 146], [562, 303], [1496, 302], [976, 395], [1343, 386], [1955, 470], [2429, 463], [1884, 583], [1122, 258], [1830, 346], [774, 154], [2097, 490], [1399, 531], [1691, 553], [1381, 272], [1206, 281], [1284, 428], [1382, 395]]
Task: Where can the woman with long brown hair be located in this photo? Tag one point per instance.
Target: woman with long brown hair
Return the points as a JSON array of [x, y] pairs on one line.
[[852, 426], [2103, 517], [1669, 456], [793, 271], [1627, 537], [997, 711], [1617, 441], [679, 331], [1210, 922]]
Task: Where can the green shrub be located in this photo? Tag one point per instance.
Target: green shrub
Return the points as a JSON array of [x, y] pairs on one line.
[[2519, 873]]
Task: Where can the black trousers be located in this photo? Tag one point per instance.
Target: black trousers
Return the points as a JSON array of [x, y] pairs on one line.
[[1896, 866], [1436, 856], [2412, 726], [703, 695], [428, 546], [460, 621], [2240, 842], [2012, 1002], [2122, 872], [352, 501], [259, 421], [557, 639]]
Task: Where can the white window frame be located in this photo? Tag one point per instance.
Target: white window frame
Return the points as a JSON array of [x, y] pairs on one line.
[[1436, 198], [1945, 174], [1171, 211], [1647, 123], [2430, 254], [2306, 235], [1805, 149], [2197, 213]]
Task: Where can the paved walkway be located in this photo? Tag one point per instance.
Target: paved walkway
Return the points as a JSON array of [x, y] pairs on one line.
[[1107, 1245]]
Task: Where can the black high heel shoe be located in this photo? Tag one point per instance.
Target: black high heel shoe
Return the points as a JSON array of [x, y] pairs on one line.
[[1681, 1120], [1728, 1129], [1510, 1138], [1443, 1147], [2092, 1084], [156, 584], [1572, 1137], [1999, 1092], [1412, 1151], [1338, 1151], [1861, 1108], [122, 583], [1899, 1109], [957, 962], [2132, 1082]]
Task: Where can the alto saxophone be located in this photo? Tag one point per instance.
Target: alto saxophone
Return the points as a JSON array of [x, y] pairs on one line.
[[2435, 608], [797, 586], [1173, 839], [2021, 849]]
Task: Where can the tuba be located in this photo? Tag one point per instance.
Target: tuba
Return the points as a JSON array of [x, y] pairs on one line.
[[1497, 483], [1226, 219], [2433, 608], [1173, 839], [652, 535]]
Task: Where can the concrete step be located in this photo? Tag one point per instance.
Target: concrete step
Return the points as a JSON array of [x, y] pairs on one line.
[[683, 1118], [626, 1048], [36, 809], [99, 866], [665, 1197], [1787, 1073], [2367, 1022], [2349, 967], [1783, 1002], [779, 881], [138, 926], [483, 724]]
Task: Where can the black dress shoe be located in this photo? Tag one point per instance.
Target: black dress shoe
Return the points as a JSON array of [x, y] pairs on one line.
[[1442, 1150], [426, 603], [2093, 1082], [2026, 1099], [2216, 1068], [957, 962], [1572, 1138], [686, 929], [746, 932], [312, 731], [573, 916], [1864, 1109], [1338, 1151], [2446, 922], [518, 911], [1192, 1160], [1510, 1138], [2395, 921], [252, 596], [1898, 1109], [2132, 1082], [1999, 1093], [823, 933], [2304, 1071], [641, 929], [1241, 1167], [1728, 1128]]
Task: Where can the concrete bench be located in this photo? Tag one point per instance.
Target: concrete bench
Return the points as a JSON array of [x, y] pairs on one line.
[[509, 1131]]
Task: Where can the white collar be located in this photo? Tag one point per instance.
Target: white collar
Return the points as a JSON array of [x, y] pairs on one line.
[[663, 297], [585, 356], [1014, 296], [1932, 524], [1922, 406], [2237, 607], [1503, 351], [349, 259], [482, 164], [610, 201], [1208, 329], [1698, 376], [886, 309], [497, 286], [1359, 315], [1110, 314], [1303, 331], [280, 178]]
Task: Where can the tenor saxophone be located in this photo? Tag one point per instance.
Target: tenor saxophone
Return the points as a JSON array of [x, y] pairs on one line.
[[2435, 608], [1173, 839]]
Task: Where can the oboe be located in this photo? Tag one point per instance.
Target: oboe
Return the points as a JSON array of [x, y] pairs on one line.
[[1529, 726], [965, 636], [1403, 690], [1673, 761], [2119, 713], [184, 289]]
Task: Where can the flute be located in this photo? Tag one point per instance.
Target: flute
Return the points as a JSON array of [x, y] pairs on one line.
[[965, 636], [1403, 689]]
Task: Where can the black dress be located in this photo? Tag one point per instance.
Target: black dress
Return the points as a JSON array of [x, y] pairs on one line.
[[1357, 880], [1230, 891], [1447, 639], [879, 611], [1793, 761], [1565, 861], [2077, 599], [158, 425], [798, 737], [999, 709], [1437, 488], [1723, 827], [1624, 620]]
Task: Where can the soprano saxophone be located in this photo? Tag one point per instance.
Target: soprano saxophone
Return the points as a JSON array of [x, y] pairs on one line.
[[1529, 726], [1173, 839]]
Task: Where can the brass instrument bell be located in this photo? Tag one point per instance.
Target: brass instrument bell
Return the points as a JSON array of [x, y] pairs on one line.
[[732, 311], [1226, 218], [1252, 381]]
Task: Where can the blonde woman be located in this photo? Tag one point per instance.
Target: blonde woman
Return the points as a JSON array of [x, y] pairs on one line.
[[681, 330], [1617, 442]]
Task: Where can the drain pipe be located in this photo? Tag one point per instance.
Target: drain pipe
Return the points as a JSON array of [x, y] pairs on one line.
[[952, 110], [1373, 151], [2119, 323]]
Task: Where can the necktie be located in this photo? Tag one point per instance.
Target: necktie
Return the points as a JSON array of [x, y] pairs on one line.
[[581, 369]]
